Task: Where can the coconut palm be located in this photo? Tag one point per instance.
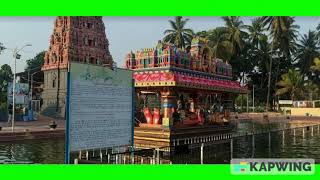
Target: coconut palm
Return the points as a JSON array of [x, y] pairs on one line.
[[282, 30], [178, 34], [291, 83], [256, 30], [318, 32], [235, 33], [236, 36], [218, 41], [307, 51], [287, 44], [259, 43], [283, 35]]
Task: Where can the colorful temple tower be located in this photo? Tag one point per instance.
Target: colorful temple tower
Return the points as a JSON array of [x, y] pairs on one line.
[[180, 92], [74, 38]]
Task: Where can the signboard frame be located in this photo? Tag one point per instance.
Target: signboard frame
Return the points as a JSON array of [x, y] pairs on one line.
[[68, 111]]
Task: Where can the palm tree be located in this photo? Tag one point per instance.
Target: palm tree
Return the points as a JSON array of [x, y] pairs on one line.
[[287, 43], [280, 27], [178, 34], [259, 43], [256, 32], [307, 51], [235, 33], [292, 83], [318, 33], [283, 35], [218, 41]]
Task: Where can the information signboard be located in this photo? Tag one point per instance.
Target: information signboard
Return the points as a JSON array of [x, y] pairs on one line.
[[100, 107]]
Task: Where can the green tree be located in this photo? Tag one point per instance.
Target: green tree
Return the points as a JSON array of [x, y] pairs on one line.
[[307, 51], [255, 31], [219, 43], [5, 78], [178, 34], [5, 75], [283, 34], [202, 34], [282, 30], [291, 83], [318, 32], [235, 33], [35, 62], [259, 75], [259, 58], [311, 90], [316, 66]]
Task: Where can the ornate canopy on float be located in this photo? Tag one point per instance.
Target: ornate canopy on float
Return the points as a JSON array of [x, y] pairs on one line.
[[184, 79], [194, 67]]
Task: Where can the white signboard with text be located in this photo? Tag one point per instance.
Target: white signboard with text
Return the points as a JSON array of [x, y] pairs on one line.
[[100, 107]]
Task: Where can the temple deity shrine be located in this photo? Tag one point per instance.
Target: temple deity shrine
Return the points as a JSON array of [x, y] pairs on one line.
[[74, 38], [180, 93]]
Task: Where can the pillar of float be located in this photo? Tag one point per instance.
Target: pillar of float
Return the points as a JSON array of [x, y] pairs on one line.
[[194, 65], [168, 104]]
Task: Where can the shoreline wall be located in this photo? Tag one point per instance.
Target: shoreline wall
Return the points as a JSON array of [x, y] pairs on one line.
[[304, 111]]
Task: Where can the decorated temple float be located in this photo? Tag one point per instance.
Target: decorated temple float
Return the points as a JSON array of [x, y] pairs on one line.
[[181, 93]]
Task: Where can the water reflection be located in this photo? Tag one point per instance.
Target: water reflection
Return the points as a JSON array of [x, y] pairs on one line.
[[31, 151], [291, 143]]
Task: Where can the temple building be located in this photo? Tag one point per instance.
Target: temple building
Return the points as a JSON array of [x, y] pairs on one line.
[[180, 93], [74, 38]]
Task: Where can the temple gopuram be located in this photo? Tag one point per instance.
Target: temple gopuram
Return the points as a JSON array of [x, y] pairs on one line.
[[74, 38], [181, 93]]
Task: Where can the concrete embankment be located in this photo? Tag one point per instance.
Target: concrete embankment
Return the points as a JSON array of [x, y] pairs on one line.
[[27, 135], [38, 129]]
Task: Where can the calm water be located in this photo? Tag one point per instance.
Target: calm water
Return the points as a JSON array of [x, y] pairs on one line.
[[30, 151], [52, 151], [281, 145], [289, 146]]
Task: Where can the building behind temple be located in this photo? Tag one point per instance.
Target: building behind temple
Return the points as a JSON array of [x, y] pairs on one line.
[[77, 39]]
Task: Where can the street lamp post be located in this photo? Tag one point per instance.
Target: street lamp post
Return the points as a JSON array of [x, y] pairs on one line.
[[253, 97], [15, 57], [248, 103]]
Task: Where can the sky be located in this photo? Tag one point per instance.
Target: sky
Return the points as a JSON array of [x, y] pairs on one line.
[[124, 33]]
